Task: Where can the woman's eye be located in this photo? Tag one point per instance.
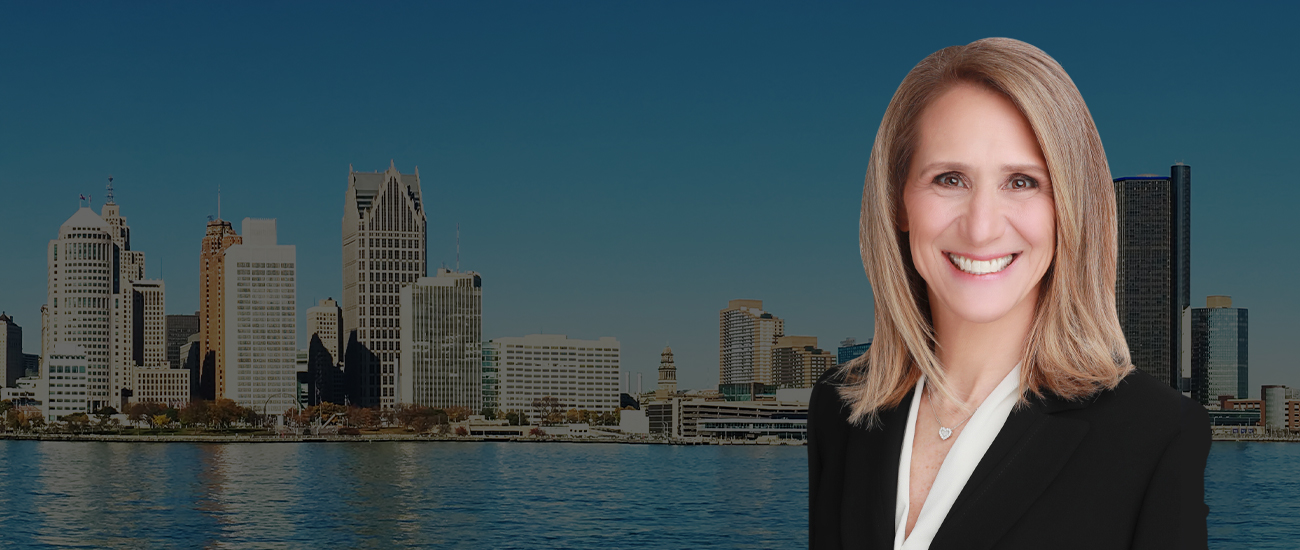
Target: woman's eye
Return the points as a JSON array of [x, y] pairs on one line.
[[950, 180], [1023, 183]]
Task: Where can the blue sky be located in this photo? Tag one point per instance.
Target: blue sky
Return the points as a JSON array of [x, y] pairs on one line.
[[617, 169]]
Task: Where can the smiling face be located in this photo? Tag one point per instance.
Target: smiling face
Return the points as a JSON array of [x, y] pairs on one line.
[[978, 207]]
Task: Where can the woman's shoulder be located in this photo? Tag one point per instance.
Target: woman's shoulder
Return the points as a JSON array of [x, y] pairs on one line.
[[826, 401], [1142, 404]]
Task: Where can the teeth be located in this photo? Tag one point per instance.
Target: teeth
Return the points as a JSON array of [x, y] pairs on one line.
[[980, 267]]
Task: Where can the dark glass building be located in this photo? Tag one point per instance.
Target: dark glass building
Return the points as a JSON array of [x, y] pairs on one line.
[[850, 349], [179, 330], [1153, 281], [1220, 359]]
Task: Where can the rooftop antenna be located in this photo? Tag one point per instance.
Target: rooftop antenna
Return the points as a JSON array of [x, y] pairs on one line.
[[218, 201], [110, 189], [458, 247]]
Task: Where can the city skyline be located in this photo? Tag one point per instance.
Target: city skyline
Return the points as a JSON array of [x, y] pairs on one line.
[[674, 163]]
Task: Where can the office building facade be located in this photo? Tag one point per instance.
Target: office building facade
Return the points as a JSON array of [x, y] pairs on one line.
[[1220, 358], [746, 335], [383, 248], [81, 283], [797, 362], [219, 237], [581, 374], [261, 320], [1153, 280], [63, 388], [667, 375], [179, 330], [12, 363], [850, 349], [441, 357], [325, 320]]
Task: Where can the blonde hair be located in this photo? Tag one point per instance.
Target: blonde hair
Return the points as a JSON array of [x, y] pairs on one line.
[[1075, 346]]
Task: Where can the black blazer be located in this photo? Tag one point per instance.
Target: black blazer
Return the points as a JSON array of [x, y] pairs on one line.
[[1122, 469]]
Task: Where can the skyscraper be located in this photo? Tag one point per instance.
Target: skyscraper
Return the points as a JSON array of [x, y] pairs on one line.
[[149, 322], [12, 363], [220, 236], [1153, 281], [325, 320], [127, 349], [1220, 351], [179, 330], [383, 248], [81, 285], [442, 341], [261, 316], [746, 334]]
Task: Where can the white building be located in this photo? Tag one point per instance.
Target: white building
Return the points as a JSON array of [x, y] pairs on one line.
[[326, 320], [150, 311], [81, 298], [441, 361], [62, 388], [161, 385], [261, 320], [582, 374]]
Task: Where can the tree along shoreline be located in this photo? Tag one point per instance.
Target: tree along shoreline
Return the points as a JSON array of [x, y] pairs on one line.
[[365, 438]]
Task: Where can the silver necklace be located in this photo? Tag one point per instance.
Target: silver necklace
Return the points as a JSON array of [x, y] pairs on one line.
[[944, 433]]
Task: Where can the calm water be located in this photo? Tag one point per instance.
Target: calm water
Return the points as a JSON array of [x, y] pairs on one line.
[[487, 495]]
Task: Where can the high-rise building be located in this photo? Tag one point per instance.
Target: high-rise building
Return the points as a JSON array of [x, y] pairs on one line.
[[191, 361], [219, 238], [383, 248], [491, 378], [179, 330], [746, 335], [1219, 351], [261, 316], [149, 322], [581, 374], [667, 375], [12, 364], [442, 341], [326, 320], [850, 349], [82, 288], [1153, 281], [797, 362], [127, 349]]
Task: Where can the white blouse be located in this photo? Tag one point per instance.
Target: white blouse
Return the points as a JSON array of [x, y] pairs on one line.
[[957, 466]]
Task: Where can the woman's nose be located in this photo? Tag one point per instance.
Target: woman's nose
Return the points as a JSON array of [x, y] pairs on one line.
[[984, 219]]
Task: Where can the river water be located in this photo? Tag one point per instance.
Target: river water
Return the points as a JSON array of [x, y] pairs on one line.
[[487, 495]]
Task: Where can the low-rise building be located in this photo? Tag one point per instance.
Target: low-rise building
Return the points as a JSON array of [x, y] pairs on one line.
[[170, 387]]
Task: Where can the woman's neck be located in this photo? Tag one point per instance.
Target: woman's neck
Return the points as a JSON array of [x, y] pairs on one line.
[[976, 357]]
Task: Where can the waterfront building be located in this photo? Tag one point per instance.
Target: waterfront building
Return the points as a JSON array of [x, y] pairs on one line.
[[688, 418], [219, 237], [179, 330], [491, 384], [1219, 345], [850, 349], [320, 380], [582, 374], [383, 248], [137, 337], [1153, 280], [667, 375], [82, 286], [31, 365], [261, 320], [326, 320], [64, 383], [160, 384], [149, 321], [441, 350], [746, 335], [797, 362], [12, 363]]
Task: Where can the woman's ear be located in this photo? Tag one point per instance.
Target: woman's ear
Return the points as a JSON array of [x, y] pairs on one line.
[[902, 218]]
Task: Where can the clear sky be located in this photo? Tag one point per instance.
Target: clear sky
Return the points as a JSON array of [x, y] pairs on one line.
[[617, 169]]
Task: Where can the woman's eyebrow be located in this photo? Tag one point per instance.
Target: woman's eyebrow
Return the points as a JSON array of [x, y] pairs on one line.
[[1024, 168], [946, 165]]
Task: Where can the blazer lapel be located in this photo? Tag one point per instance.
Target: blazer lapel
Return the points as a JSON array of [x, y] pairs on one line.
[[871, 480], [1024, 458]]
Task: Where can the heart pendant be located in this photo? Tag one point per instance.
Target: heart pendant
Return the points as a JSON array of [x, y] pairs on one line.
[[944, 433]]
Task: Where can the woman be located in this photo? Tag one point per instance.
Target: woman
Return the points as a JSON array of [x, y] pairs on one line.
[[997, 407]]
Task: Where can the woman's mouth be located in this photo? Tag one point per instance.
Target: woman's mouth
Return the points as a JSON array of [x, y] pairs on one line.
[[980, 267]]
